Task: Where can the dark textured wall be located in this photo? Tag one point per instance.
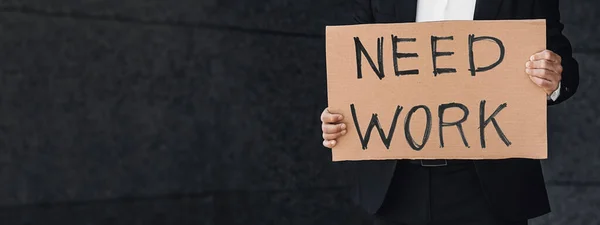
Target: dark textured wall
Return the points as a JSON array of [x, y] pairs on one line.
[[206, 112]]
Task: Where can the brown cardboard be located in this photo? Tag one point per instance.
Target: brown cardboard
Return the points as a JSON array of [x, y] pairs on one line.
[[523, 120]]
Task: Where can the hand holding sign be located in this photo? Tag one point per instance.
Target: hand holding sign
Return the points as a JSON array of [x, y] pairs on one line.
[[332, 127], [545, 70]]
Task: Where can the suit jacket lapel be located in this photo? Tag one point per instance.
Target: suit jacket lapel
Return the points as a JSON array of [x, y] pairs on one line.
[[487, 9], [406, 10]]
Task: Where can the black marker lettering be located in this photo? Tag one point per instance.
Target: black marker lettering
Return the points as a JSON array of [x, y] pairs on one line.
[[413, 144], [458, 123], [483, 123], [375, 123], [399, 55], [436, 54], [473, 39], [360, 50]]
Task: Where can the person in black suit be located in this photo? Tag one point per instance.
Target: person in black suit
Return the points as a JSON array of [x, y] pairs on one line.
[[463, 192]]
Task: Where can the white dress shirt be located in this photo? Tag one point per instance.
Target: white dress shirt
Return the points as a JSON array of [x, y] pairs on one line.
[[437, 10]]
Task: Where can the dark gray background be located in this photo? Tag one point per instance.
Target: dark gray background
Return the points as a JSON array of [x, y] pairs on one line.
[[206, 112]]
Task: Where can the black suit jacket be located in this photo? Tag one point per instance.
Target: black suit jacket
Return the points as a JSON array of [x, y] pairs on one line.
[[515, 188]]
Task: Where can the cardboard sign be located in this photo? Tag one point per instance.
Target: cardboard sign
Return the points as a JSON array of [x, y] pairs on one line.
[[437, 90]]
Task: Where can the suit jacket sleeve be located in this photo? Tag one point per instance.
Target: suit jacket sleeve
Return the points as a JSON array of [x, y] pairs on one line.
[[362, 12], [558, 43]]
